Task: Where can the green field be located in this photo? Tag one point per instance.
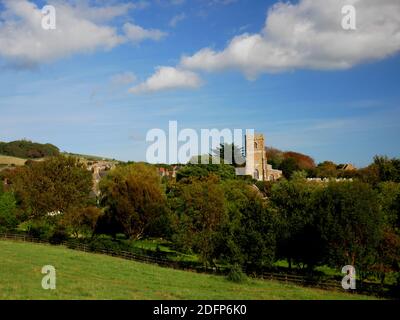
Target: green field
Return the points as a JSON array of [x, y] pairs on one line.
[[91, 276]]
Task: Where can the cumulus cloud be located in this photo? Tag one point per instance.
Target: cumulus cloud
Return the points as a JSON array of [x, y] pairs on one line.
[[80, 28], [24, 41], [308, 35], [167, 78], [137, 34]]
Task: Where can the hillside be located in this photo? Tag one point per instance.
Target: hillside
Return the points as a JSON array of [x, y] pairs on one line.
[[90, 276], [28, 149]]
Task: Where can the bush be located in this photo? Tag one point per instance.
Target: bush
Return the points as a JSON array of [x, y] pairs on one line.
[[59, 236], [40, 230], [236, 274]]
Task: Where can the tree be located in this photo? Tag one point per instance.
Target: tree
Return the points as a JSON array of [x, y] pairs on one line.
[[231, 154], [133, 198], [387, 255], [58, 184], [8, 211], [327, 169], [82, 220], [288, 166], [274, 156], [351, 221], [388, 169], [223, 171], [200, 208], [303, 161], [247, 237], [388, 193], [298, 237]]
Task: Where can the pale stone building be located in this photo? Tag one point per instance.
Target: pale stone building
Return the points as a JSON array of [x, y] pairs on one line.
[[256, 160]]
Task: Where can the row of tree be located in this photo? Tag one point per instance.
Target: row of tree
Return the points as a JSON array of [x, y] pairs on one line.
[[221, 218]]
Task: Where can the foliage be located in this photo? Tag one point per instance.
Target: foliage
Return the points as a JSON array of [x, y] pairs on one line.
[[224, 171], [351, 222], [200, 209], [303, 161], [230, 153], [327, 169], [58, 184], [8, 211], [247, 238], [133, 198], [40, 229], [298, 239], [288, 166], [82, 221], [28, 149], [236, 274]]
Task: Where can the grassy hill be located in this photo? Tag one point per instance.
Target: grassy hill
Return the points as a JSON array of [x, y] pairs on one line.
[[8, 161], [90, 276]]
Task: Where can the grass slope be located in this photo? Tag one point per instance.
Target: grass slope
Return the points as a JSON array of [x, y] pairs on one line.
[[7, 160], [91, 276]]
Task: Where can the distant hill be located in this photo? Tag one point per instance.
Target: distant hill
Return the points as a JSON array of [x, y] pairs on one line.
[[27, 149]]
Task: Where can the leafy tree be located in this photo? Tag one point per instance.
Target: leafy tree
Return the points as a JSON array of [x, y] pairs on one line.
[[298, 237], [82, 221], [58, 184], [274, 156], [223, 171], [247, 237], [200, 208], [8, 211], [388, 169], [351, 222], [231, 154], [303, 161], [288, 166], [388, 193], [327, 169], [387, 254], [133, 198]]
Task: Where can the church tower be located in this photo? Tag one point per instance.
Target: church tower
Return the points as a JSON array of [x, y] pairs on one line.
[[256, 158]]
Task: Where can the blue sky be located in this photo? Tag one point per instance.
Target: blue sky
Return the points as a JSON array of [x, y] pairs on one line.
[[95, 96]]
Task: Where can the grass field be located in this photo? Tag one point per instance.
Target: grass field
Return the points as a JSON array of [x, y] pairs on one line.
[[91, 276], [6, 160]]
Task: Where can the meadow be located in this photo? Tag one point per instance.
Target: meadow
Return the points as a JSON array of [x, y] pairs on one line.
[[83, 275]]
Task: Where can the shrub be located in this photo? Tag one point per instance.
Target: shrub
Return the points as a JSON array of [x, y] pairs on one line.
[[40, 229], [236, 274], [59, 236]]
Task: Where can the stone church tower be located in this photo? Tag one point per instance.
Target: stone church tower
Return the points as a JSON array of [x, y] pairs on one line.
[[256, 159]]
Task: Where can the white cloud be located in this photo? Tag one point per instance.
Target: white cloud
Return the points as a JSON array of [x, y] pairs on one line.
[[308, 35], [167, 78], [80, 28], [122, 79], [137, 34], [24, 41], [176, 19]]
